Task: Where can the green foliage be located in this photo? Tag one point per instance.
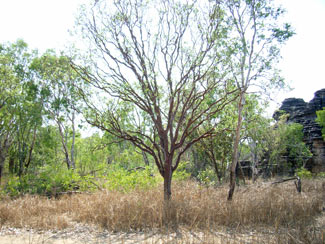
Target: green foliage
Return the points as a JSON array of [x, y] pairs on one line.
[[293, 140], [321, 175], [321, 120], [52, 180], [304, 173], [91, 155], [284, 146], [48, 180], [207, 177], [124, 180], [128, 158], [181, 172]]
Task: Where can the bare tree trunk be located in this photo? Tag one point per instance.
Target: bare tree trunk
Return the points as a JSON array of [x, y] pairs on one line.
[[30, 153], [73, 164], [2, 161], [242, 172], [167, 191], [11, 165], [216, 168], [234, 162], [65, 149], [21, 157], [3, 153], [168, 180]]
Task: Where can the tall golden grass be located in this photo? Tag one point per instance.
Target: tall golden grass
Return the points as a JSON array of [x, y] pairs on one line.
[[194, 207]]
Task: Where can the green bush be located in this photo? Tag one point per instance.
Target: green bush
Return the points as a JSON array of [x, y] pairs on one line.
[[208, 177], [48, 180], [118, 178], [321, 175], [181, 173], [304, 173]]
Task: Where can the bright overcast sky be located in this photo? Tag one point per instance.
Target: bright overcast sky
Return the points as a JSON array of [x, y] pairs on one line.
[[43, 24]]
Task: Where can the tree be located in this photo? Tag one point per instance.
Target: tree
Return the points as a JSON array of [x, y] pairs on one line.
[[155, 62], [255, 127], [56, 81], [254, 42], [283, 147], [296, 151], [20, 112], [8, 90], [216, 151]]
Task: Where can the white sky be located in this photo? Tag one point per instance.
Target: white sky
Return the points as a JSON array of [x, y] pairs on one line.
[[43, 24]]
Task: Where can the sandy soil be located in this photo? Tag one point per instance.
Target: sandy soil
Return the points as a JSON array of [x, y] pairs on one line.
[[82, 234], [86, 235]]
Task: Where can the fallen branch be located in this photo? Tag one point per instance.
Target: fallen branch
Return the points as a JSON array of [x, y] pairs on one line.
[[137, 168], [297, 182], [69, 193], [284, 180]]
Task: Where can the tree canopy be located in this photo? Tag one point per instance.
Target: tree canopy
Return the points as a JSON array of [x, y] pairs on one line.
[[166, 83]]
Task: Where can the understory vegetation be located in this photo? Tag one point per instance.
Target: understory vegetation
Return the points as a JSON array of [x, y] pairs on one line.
[[276, 209]]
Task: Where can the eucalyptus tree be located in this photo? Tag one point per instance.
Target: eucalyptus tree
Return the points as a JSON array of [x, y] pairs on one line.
[[155, 62], [21, 109], [56, 80], [256, 34], [8, 90], [255, 128], [215, 151]]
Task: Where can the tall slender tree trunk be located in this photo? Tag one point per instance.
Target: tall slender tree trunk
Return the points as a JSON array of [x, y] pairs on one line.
[[2, 160], [254, 161], [216, 168], [73, 164], [64, 145], [12, 165], [30, 152], [21, 157], [234, 162], [3, 153]]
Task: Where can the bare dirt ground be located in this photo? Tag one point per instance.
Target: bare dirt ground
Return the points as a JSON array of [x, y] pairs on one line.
[[84, 234], [88, 235]]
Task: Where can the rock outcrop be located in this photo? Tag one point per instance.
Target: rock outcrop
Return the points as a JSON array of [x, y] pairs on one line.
[[305, 113]]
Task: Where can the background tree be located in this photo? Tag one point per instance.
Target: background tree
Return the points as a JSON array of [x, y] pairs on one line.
[[57, 81], [8, 90], [157, 62], [254, 129], [284, 150], [20, 106], [255, 39], [215, 152]]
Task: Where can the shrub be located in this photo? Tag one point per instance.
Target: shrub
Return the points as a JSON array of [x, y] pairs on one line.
[[207, 177], [120, 179], [304, 173], [181, 173], [48, 180]]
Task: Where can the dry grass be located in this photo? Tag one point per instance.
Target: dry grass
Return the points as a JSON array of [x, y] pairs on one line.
[[263, 207]]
